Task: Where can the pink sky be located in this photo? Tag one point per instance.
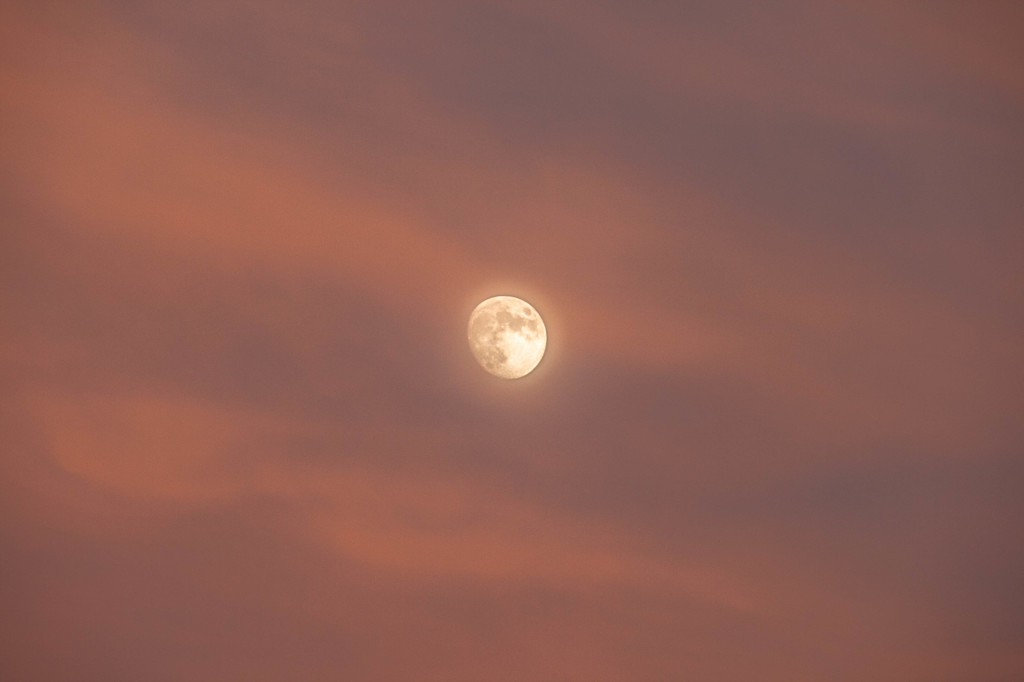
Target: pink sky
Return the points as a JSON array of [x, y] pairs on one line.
[[777, 433]]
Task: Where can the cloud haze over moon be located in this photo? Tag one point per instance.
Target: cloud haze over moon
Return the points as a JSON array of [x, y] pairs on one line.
[[777, 436]]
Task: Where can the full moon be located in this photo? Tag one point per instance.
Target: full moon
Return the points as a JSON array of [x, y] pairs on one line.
[[507, 336]]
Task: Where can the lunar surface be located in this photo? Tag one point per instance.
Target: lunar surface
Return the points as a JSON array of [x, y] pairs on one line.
[[507, 336]]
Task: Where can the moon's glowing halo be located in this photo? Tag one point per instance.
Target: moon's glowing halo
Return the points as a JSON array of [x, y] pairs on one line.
[[507, 336]]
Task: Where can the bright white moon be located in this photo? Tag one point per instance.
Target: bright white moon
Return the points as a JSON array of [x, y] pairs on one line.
[[507, 336]]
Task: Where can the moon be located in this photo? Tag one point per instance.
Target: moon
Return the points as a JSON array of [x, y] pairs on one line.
[[507, 336]]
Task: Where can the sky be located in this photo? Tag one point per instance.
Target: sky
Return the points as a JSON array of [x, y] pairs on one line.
[[776, 435]]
